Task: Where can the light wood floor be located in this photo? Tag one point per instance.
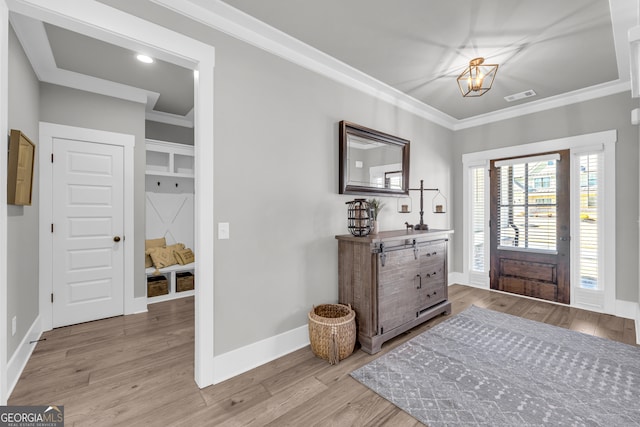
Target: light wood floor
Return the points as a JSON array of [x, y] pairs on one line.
[[138, 370]]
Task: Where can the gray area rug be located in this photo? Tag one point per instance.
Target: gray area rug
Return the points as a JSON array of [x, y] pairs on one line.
[[486, 368]]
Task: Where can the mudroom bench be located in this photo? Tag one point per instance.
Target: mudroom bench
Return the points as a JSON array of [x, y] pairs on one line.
[[177, 276]]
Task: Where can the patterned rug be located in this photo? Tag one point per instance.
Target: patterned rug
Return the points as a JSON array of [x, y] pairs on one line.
[[486, 368]]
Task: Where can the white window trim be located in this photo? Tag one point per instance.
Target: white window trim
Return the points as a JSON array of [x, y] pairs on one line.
[[605, 140], [602, 300], [475, 278]]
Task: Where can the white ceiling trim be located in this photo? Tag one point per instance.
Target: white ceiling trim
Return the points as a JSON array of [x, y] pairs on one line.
[[227, 19], [634, 46], [222, 17], [34, 40], [170, 119], [562, 100], [624, 15]]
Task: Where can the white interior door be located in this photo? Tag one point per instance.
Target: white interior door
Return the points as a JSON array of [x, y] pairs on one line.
[[88, 225]]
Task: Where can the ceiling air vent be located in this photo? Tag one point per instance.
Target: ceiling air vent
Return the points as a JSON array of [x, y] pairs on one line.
[[521, 95]]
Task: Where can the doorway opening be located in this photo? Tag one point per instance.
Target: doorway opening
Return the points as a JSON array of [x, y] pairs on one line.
[[109, 24], [591, 237]]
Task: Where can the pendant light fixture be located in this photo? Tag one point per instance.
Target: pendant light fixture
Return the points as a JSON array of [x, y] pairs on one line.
[[477, 78]]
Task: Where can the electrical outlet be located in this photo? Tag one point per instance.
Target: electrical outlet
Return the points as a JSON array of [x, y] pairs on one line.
[[223, 230], [14, 325]]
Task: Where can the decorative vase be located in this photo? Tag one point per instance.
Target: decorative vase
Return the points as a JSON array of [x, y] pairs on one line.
[[374, 226]]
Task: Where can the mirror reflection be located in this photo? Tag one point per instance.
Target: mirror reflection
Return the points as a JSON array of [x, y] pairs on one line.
[[372, 162]]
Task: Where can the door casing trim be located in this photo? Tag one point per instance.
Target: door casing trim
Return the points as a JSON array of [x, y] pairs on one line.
[[607, 139], [49, 131]]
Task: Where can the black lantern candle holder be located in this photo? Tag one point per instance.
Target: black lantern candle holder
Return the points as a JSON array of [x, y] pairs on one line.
[[359, 217]]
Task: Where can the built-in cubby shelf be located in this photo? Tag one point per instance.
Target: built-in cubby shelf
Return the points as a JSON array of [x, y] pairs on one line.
[[170, 274], [170, 207], [169, 159]]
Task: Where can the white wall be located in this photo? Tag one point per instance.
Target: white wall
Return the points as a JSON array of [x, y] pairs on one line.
[[169, 133], [276, 180], [22, 221]]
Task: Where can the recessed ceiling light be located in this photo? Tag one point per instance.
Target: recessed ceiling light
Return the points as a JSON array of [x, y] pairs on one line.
[[144, 58]]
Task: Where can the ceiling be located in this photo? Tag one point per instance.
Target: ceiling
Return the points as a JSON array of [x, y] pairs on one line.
[[67, 58], [419, 47], [567, 49]]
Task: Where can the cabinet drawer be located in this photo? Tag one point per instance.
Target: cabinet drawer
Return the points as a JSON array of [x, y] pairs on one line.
[[434, 252], [432, 292]]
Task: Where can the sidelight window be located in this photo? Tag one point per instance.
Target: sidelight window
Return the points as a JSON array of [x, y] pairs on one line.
[[478, 218], [589, 228]]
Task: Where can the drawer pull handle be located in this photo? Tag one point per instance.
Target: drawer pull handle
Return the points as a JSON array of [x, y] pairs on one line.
[[419, 281]]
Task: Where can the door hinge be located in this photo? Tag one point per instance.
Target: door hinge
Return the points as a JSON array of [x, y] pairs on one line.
[[52, 297], [52, 227], [51, 157]]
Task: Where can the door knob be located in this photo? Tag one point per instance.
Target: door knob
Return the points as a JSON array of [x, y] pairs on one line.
[[116, 239]]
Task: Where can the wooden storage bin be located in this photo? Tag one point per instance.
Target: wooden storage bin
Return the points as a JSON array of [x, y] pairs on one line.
[[184, 281], [157, 285]]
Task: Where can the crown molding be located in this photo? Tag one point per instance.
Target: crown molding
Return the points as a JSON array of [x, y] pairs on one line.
[[580, 95], [34, 41], [231, 21], [225, 18]]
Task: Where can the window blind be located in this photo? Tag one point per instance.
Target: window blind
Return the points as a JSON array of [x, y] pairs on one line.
[[527, 203], [478, 219], [589, 229]]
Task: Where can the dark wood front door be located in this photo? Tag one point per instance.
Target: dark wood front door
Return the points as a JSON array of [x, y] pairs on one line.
[[530, 232]]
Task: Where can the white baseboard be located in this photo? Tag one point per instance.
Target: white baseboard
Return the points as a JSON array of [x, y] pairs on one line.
[[463, 279], [455, 277], [241, 360], [626, 309], [139, 305], [19, 360]]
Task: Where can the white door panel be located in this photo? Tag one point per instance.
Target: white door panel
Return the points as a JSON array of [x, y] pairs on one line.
[[88, 213]]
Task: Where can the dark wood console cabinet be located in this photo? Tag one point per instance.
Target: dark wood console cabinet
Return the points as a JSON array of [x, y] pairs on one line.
[[394, 281]]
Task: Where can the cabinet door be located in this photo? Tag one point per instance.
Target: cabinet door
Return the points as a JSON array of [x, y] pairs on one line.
[[432, 288], [397, 288]]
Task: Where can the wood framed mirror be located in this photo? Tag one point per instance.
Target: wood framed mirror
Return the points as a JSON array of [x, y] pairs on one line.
[[372, 162]]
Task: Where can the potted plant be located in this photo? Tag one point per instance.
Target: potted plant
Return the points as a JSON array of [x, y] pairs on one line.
[[376, 206]]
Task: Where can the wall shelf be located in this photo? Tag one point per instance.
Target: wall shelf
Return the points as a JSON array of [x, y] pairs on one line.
[[169, 159], [170, 274]]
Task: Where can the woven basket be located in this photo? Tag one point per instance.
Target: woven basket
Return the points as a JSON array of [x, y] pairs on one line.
[[332, 331]]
